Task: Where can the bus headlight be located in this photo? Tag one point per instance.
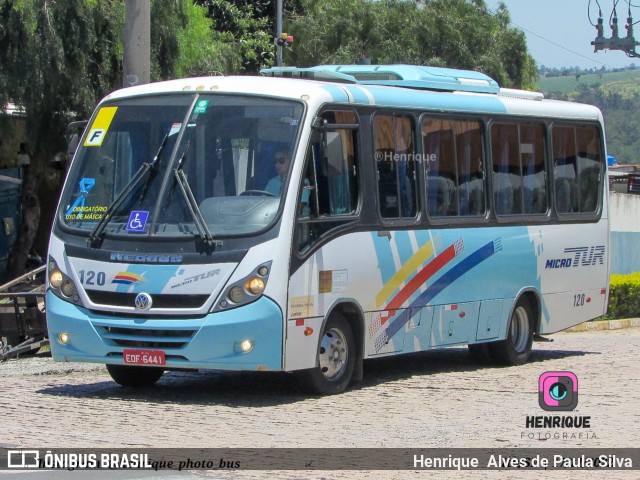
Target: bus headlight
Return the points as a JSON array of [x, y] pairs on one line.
[[68, 288], [55, 279], [236, 294], [254, 285], [61, 284], [246, 290], [244, 346]]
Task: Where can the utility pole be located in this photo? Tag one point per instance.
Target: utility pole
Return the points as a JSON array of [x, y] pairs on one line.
[[281, 39], [278, 32], [137, 43]]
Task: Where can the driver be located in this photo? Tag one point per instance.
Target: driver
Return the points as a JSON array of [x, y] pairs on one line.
[[281, 163]]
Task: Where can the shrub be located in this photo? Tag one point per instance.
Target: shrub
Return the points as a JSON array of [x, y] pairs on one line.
[[624, 296]]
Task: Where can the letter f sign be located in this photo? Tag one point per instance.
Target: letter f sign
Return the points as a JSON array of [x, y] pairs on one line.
[[95, 137]]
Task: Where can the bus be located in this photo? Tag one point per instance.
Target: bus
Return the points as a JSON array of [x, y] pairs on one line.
[[308, 219]]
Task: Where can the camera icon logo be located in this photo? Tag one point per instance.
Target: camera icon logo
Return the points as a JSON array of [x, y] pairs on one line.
[[558, 391]]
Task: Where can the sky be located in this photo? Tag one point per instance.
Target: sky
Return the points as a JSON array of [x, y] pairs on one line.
[[559, 33]]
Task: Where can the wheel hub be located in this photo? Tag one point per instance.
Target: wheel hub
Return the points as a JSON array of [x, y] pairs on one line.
[[333, 354]]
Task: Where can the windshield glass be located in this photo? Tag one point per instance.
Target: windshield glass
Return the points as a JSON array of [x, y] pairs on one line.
[[224, 157]]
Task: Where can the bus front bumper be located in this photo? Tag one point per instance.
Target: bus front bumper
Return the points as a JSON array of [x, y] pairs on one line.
[[211, 342]]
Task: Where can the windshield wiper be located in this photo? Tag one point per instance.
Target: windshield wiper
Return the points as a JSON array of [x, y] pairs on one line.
[[175, 181], [142, 172], [192, 204]]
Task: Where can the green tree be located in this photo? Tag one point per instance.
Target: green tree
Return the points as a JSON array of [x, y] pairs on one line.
[[453, 33], [248, 29], [57, 59]]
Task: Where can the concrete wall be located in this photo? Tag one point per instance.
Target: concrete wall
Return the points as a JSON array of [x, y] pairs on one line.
[[624, 215]]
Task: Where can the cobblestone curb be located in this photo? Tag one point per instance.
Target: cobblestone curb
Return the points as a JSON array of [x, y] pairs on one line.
[[605, 325]]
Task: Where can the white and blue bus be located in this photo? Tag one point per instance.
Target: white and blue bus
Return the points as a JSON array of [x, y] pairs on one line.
[[309, 219]]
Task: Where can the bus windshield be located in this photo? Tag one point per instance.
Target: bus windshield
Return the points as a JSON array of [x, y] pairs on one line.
[[156, 165]]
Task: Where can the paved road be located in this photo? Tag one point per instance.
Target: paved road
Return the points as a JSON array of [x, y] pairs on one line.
[[434, 399]]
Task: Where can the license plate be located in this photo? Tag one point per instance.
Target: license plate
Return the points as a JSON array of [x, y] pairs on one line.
[[143, 357]]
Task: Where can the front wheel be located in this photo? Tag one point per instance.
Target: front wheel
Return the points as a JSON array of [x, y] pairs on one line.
[[516, 348], [128, 376], [335, 358]]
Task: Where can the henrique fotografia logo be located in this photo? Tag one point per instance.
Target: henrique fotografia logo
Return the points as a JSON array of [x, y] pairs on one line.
[[558, 391]]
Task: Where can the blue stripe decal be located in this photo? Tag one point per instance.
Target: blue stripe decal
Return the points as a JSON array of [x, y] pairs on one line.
[[386, 264], [338, 94], [443, 282], [403, 244], [422, 237], [358, 94], [432, 100]]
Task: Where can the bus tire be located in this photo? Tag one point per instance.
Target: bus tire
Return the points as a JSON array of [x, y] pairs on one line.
[[516, 348], [129, 376], [335, 358], [480, 353]]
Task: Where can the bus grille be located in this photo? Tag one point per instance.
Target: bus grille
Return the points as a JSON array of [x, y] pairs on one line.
[[160, 300], [146, 338]]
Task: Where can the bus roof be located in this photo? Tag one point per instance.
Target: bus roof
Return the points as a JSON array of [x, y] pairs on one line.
[[407, 76], [400, 86]]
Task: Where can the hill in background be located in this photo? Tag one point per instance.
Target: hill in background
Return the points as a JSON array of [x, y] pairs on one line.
[[616, 93], [625, 82]]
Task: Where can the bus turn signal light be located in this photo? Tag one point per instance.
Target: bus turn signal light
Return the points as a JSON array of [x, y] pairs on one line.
[[55, 279], [254, 285]]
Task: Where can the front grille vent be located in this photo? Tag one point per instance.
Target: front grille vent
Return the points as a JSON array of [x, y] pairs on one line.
[[147, 338], [160, 300]]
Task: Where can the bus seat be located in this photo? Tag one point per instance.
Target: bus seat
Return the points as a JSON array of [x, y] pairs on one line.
[[563, 195], [534, 193], [476, 197], [588, 181], [503, 193], [517, 186], [439, 195]]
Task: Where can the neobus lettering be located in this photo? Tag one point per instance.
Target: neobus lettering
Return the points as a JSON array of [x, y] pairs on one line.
[[127, 257]]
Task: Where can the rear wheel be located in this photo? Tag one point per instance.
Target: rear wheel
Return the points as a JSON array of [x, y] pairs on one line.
[[480, 353], [129, 376], [335, 358], [516, 348]]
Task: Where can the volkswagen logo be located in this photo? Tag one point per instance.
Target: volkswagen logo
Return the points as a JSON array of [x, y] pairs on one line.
[[143, 301]]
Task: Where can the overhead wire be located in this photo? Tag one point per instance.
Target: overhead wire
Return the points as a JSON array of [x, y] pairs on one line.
[[559, 45]]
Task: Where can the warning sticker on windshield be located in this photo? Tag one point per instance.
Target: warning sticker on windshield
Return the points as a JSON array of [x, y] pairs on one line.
[[175, 128], [100, 127], [201, 106]]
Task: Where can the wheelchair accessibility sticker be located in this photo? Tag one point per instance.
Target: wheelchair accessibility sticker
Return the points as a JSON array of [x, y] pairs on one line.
[[137, 221]]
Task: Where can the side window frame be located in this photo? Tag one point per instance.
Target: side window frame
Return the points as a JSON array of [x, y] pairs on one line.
[[322, 217], [406, 189], [520, 188], [440, 217], [575, 192]]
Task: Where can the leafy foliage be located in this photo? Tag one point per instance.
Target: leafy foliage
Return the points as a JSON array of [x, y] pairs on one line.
[[57, 59], [624, 296], [622, 124], [453, 33]]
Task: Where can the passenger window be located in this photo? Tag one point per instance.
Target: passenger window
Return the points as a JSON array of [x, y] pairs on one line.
[[519, 178], [577, 167], [396, 166], [329, 193], [454, 160]]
